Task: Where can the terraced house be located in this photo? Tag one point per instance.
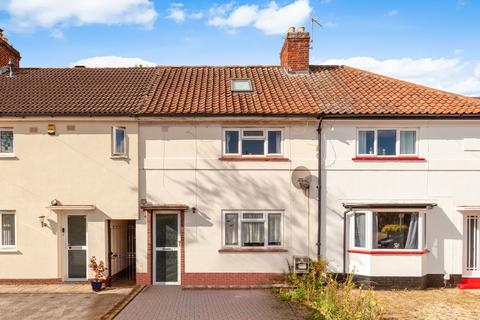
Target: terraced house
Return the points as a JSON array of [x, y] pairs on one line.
[[224, 175]]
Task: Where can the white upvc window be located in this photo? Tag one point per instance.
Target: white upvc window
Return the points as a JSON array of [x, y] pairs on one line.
[[387, 142], [8, 236], [6, 142], [387, 230], [119, 142], [251, 142], [252, 228]]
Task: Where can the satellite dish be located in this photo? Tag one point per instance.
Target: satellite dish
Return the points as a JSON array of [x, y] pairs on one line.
[[301, 178]]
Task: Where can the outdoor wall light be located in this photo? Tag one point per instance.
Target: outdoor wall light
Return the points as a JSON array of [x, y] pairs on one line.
[[41, 219]]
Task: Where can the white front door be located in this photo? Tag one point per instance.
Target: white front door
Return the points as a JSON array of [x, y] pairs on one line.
[[76, 247], [472, 246], [166, 243]]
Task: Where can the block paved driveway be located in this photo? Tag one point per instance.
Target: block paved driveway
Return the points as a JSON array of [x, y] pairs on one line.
[[171, 302]]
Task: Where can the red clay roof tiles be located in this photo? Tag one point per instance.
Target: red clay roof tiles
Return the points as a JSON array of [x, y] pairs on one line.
[[162, 91]]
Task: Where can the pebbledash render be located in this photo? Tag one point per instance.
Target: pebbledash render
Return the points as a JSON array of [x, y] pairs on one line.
[[221, 176]]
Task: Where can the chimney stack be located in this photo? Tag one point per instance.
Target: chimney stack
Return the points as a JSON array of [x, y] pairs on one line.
[[295, 51], [8, 54]]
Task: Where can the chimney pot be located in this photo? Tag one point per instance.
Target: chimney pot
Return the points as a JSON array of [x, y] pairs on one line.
[[291, 30], [301, 29]]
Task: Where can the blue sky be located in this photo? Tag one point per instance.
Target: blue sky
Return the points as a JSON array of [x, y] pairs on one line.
[[436, 43]]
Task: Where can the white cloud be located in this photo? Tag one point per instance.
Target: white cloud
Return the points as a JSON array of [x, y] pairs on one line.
[[240, 17], [477, 70], [392, 13], [450, 74], [112, 62], [196, 15], [272, 19], [28, 14], [177, 13]]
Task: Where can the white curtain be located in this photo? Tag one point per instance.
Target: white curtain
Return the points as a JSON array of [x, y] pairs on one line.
[[231, 229], [407, 142], [274, 229], [412, 236], [8, 229], [360, 230], [253, 234]]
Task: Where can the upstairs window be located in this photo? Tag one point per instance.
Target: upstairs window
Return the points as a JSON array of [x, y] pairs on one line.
[[387, 142], [6, 141], [119, 142], [242, 85], [253, 142]]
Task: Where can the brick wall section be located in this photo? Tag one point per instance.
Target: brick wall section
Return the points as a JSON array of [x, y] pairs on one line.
[[32, 281], [8, 52], [229, 279], [426, 281], [145, 278], [295, 52]]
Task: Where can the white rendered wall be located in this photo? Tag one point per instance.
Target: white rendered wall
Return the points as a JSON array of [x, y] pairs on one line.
[[450, 177], [180, 165], [75, 168]]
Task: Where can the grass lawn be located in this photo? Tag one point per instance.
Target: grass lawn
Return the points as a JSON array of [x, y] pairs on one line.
[[430, 304]]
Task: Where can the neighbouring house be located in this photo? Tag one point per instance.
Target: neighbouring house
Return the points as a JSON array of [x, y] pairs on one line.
[[204, 176]]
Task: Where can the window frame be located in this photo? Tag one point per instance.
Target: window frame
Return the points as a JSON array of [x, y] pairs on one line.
[[241, 137], [8, 154], [264, 219], [232, 89], [397, 142], [114, 142], [8, 247], [421, 229], [352, 226]]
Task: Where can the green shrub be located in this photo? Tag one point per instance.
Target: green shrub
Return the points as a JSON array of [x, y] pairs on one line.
[[328, 298]]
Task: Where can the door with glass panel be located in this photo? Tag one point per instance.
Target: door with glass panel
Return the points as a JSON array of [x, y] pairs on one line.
[[166, 248], [472, 245], [76, 247]]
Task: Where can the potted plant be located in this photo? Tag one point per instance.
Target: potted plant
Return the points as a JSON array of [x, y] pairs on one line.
[[99, 269]]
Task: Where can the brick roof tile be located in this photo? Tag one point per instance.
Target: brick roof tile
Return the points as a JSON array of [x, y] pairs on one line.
[[204, 90]]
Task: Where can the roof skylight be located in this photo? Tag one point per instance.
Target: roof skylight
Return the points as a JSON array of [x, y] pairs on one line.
[[242, 85]]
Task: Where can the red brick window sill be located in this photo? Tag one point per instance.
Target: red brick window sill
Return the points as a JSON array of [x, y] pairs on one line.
[[389, 252], [251, 250], [388, 159], [229, 158]]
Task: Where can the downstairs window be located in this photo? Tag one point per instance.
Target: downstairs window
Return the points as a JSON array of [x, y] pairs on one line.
[[252, 229], [372, 230], [7, 224]]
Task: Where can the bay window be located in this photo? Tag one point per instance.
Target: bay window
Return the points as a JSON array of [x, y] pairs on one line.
[[392, 230], [387, 142], [7, 228], [252, 229], [252, 142], [6, 141]]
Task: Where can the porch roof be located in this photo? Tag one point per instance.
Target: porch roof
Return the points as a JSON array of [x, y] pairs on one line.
[[388, 205], [150, 207], [80, 207]]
